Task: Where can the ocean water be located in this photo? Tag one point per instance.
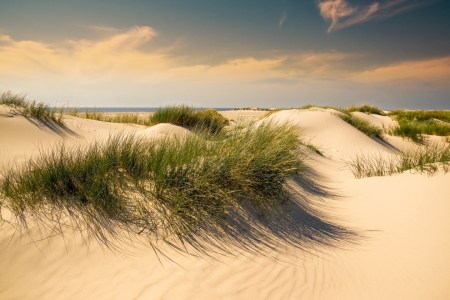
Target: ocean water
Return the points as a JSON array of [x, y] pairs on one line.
[[132, 109]]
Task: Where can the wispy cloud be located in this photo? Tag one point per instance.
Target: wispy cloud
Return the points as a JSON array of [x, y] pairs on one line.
[[283, 18], [342, 14], [120, 54], [435, 70]]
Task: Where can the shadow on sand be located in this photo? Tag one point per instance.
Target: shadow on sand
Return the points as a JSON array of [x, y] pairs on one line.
[[306, 222], [43, 123]]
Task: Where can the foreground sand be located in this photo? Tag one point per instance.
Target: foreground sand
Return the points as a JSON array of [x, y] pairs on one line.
[[402, 252]]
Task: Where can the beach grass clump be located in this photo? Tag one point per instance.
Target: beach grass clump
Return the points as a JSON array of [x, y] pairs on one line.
[[312, 105], [309, 105], [363, 125], [414, 124], [210, 119], [94, 114], [33, 109], [189, 117], [182, 115], [421, 115], [415, 130], [427, 159], [163, 187], [366, 108]]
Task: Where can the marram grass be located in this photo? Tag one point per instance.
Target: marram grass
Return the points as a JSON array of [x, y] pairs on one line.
[[414, 124], [189, 117], [428, 159], [33, 109], [182, 115], [168, 187], [363, 125], [365, 108], [415, 130]]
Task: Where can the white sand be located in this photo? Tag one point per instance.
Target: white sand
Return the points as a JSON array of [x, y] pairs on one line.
[[405, 253], [163, 130]]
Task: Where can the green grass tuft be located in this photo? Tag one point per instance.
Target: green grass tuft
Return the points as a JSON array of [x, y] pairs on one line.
[[414, 124], [421, 115], [366, 108], [33, 109], [363, 125], [425, 159], [415, 130], [189, 117], [163, 188]]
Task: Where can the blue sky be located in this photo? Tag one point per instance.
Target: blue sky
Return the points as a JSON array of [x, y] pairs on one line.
[[394, 54]]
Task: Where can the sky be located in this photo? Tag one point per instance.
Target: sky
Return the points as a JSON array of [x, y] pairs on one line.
[[228, 53]]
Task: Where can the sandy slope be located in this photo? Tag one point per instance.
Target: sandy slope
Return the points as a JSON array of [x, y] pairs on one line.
[[404, 254]]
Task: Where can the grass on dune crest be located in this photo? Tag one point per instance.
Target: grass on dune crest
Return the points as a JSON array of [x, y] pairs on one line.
[[124, 117], [424, 159], [365, 108], [414, 124], [182, 115], [363, 125], [33, 109], [421, 115], [414, 130], [164, 188], [189, 117]]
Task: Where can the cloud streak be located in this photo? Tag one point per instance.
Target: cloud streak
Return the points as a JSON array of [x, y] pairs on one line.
[[283, 18], [342, 14], [422, 71]]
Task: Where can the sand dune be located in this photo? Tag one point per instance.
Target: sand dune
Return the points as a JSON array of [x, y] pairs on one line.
[[402, 250], [338, 139], [164, 129]]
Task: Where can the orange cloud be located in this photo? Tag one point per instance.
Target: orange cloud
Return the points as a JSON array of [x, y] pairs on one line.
[[119, 56], [434, 70], [116, 53]]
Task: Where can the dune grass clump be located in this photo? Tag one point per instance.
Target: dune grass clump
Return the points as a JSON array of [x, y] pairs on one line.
[[366, 108], [363, 125], [156, 187], [182, 115], [414, 130], [32, 109], [414, 124], [189, 117], [309, 105], [124, 117], [420, 115], [424, 159]]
